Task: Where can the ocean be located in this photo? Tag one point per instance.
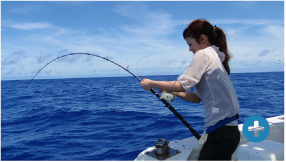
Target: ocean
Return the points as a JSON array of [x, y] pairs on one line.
[[111, 118]]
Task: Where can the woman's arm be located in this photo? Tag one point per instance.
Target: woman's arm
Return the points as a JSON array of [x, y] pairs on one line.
[[191, 97], [171, 86]]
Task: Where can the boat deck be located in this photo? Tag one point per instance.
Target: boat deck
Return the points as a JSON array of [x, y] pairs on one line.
[[189, 148]]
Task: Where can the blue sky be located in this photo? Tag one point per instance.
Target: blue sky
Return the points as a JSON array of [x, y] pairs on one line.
[[146, 36]]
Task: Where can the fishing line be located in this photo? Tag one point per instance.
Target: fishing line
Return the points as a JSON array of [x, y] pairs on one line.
[[126, 69]]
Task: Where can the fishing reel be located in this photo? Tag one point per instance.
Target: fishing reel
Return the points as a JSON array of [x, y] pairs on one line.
[[162, 151], [168, 96]]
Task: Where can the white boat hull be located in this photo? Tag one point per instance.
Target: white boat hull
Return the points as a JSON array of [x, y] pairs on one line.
[[269, 149]]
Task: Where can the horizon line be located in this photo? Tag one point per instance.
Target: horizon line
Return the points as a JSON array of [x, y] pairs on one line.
[[122, 76]]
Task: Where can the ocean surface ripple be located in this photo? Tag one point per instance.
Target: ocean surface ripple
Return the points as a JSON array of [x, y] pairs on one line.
[[111, 118]]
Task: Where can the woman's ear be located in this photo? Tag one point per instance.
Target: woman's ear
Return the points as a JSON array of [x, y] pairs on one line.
[[203, 39]]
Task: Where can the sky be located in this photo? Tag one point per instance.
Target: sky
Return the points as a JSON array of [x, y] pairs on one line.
[[145, 36]]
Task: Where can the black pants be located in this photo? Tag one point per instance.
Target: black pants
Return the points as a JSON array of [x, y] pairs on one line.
[[220, 144]]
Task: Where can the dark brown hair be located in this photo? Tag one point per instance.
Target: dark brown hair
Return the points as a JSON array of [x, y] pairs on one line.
[[215, 36]]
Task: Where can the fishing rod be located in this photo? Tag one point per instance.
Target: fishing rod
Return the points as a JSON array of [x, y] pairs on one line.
[[170, 107]]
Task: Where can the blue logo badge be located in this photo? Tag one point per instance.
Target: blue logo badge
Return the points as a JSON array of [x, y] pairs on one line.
[[259, 133]]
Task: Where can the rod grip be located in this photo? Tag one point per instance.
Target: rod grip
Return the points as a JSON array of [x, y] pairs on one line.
[[170, 107]]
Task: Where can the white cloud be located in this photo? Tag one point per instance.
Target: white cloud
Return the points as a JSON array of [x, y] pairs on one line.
[[247, 21], [250, 5], [152, 24], [42, 58], [14, 58], [11, 72], [25, 9], [275, 30], [132, 10], [264, 53], [31, 26], [71, 2]]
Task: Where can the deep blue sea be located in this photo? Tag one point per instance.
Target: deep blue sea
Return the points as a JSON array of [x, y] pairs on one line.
[[111, 118]]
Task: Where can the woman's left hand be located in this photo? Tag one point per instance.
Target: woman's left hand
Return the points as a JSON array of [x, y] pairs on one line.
[[146, 84]]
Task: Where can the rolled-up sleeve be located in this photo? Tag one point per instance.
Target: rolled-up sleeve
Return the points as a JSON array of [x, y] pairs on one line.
[[195, 71]]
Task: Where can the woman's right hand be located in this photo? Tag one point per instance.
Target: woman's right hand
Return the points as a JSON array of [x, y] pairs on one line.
[[146, 84]]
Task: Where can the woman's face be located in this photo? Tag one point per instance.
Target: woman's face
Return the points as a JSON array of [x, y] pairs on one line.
[[194, 46]]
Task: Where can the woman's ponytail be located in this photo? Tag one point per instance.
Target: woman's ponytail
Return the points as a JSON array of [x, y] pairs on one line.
[[220, 41]]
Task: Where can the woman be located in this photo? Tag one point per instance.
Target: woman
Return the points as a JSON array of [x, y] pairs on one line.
[[209, 74]]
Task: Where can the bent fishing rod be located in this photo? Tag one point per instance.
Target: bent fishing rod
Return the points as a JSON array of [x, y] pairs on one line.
[[170, 107]]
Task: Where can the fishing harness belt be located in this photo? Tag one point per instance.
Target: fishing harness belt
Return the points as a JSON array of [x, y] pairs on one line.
[[221, 123]]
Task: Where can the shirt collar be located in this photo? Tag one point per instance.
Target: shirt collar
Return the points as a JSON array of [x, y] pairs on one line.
[[220, 54]]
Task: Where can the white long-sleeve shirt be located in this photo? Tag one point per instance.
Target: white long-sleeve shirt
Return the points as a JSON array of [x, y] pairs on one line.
[[212, 84]]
